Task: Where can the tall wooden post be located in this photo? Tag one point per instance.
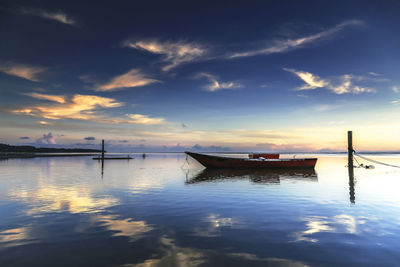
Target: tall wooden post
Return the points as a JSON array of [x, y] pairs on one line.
[[350, 166], [350, 148], [102, 149]]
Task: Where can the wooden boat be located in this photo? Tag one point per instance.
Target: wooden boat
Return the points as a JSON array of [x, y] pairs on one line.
[[262, 162]]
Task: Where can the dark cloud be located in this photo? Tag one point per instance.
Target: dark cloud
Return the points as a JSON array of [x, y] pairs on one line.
[[184, 125], [24, 137], [123, 141], [90, 138]]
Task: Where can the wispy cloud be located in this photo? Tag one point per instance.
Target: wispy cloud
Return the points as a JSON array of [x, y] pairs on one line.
[[374, 73], [144, 119], [174, 53], [281, 46], [216, 85], [53, 98], [343, 84], [133, 78], [396, 89], [22, 71], [57, 16], [82, 107]]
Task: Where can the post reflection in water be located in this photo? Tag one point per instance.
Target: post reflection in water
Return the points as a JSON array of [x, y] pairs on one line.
[[102, 168], [351, 185], [256, 176]]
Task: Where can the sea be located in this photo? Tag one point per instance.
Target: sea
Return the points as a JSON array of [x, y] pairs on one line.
[[167, 210]]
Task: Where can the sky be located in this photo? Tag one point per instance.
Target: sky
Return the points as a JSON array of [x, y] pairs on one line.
[[200, 75]]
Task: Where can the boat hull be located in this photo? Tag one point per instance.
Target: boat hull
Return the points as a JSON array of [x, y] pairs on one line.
[[210, 161]]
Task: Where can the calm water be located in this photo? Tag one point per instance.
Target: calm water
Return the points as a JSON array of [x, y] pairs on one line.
[[161, 211]]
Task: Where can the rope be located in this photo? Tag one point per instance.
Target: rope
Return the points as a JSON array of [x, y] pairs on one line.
[[375, 161]]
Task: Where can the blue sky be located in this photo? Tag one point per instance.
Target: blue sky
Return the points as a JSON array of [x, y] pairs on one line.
[[169, 76]]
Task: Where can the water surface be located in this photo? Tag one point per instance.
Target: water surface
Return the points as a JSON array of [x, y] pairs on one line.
[[162, 211]]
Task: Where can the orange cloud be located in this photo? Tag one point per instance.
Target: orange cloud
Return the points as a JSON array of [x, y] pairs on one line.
[[133, 78], [82, 107]]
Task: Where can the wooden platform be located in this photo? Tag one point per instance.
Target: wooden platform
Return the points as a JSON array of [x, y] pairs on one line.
[[113, 158]]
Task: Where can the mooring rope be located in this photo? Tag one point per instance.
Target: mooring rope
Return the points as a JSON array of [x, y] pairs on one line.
[[375, 161]]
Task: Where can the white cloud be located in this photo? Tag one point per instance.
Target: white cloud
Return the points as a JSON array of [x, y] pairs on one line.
[[22, 71], [133, 78], [46, 139], [144, 119], [215, 85], [396, 89], [343, 84], [281, 46], [174, 53], [374, 73], [57, 16]]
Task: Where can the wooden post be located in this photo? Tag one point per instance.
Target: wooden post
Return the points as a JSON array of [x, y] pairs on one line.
[[102, 149], [350, 166], [350, 148]]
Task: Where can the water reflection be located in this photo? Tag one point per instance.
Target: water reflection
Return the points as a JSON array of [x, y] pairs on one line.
[[256, 176], [48, 198], [342, 223], [147, 213], [215, 223], [15, 237], [352, 192], [124, 227]]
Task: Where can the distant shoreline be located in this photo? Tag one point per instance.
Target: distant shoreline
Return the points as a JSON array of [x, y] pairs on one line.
[[9, 151]]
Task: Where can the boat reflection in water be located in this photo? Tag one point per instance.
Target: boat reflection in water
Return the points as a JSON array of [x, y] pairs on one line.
[[254, 175]]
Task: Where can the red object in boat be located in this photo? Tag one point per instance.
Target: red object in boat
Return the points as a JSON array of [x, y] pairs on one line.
[[265, 156], [210, 161]]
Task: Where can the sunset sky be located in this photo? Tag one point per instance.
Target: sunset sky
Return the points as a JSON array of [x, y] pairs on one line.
[[201, 75]]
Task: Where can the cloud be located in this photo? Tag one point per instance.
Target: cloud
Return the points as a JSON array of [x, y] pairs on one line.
[[396, 89], [144, 119], [133, 78], [30, 73], [53, 98], [44, 122], [183, 125], [342, 85], [374, 73], [24, 137], [90, 138], [174, 53], [82, 107], [215, 85], [57, 16], [46, 139], [281, 46]]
